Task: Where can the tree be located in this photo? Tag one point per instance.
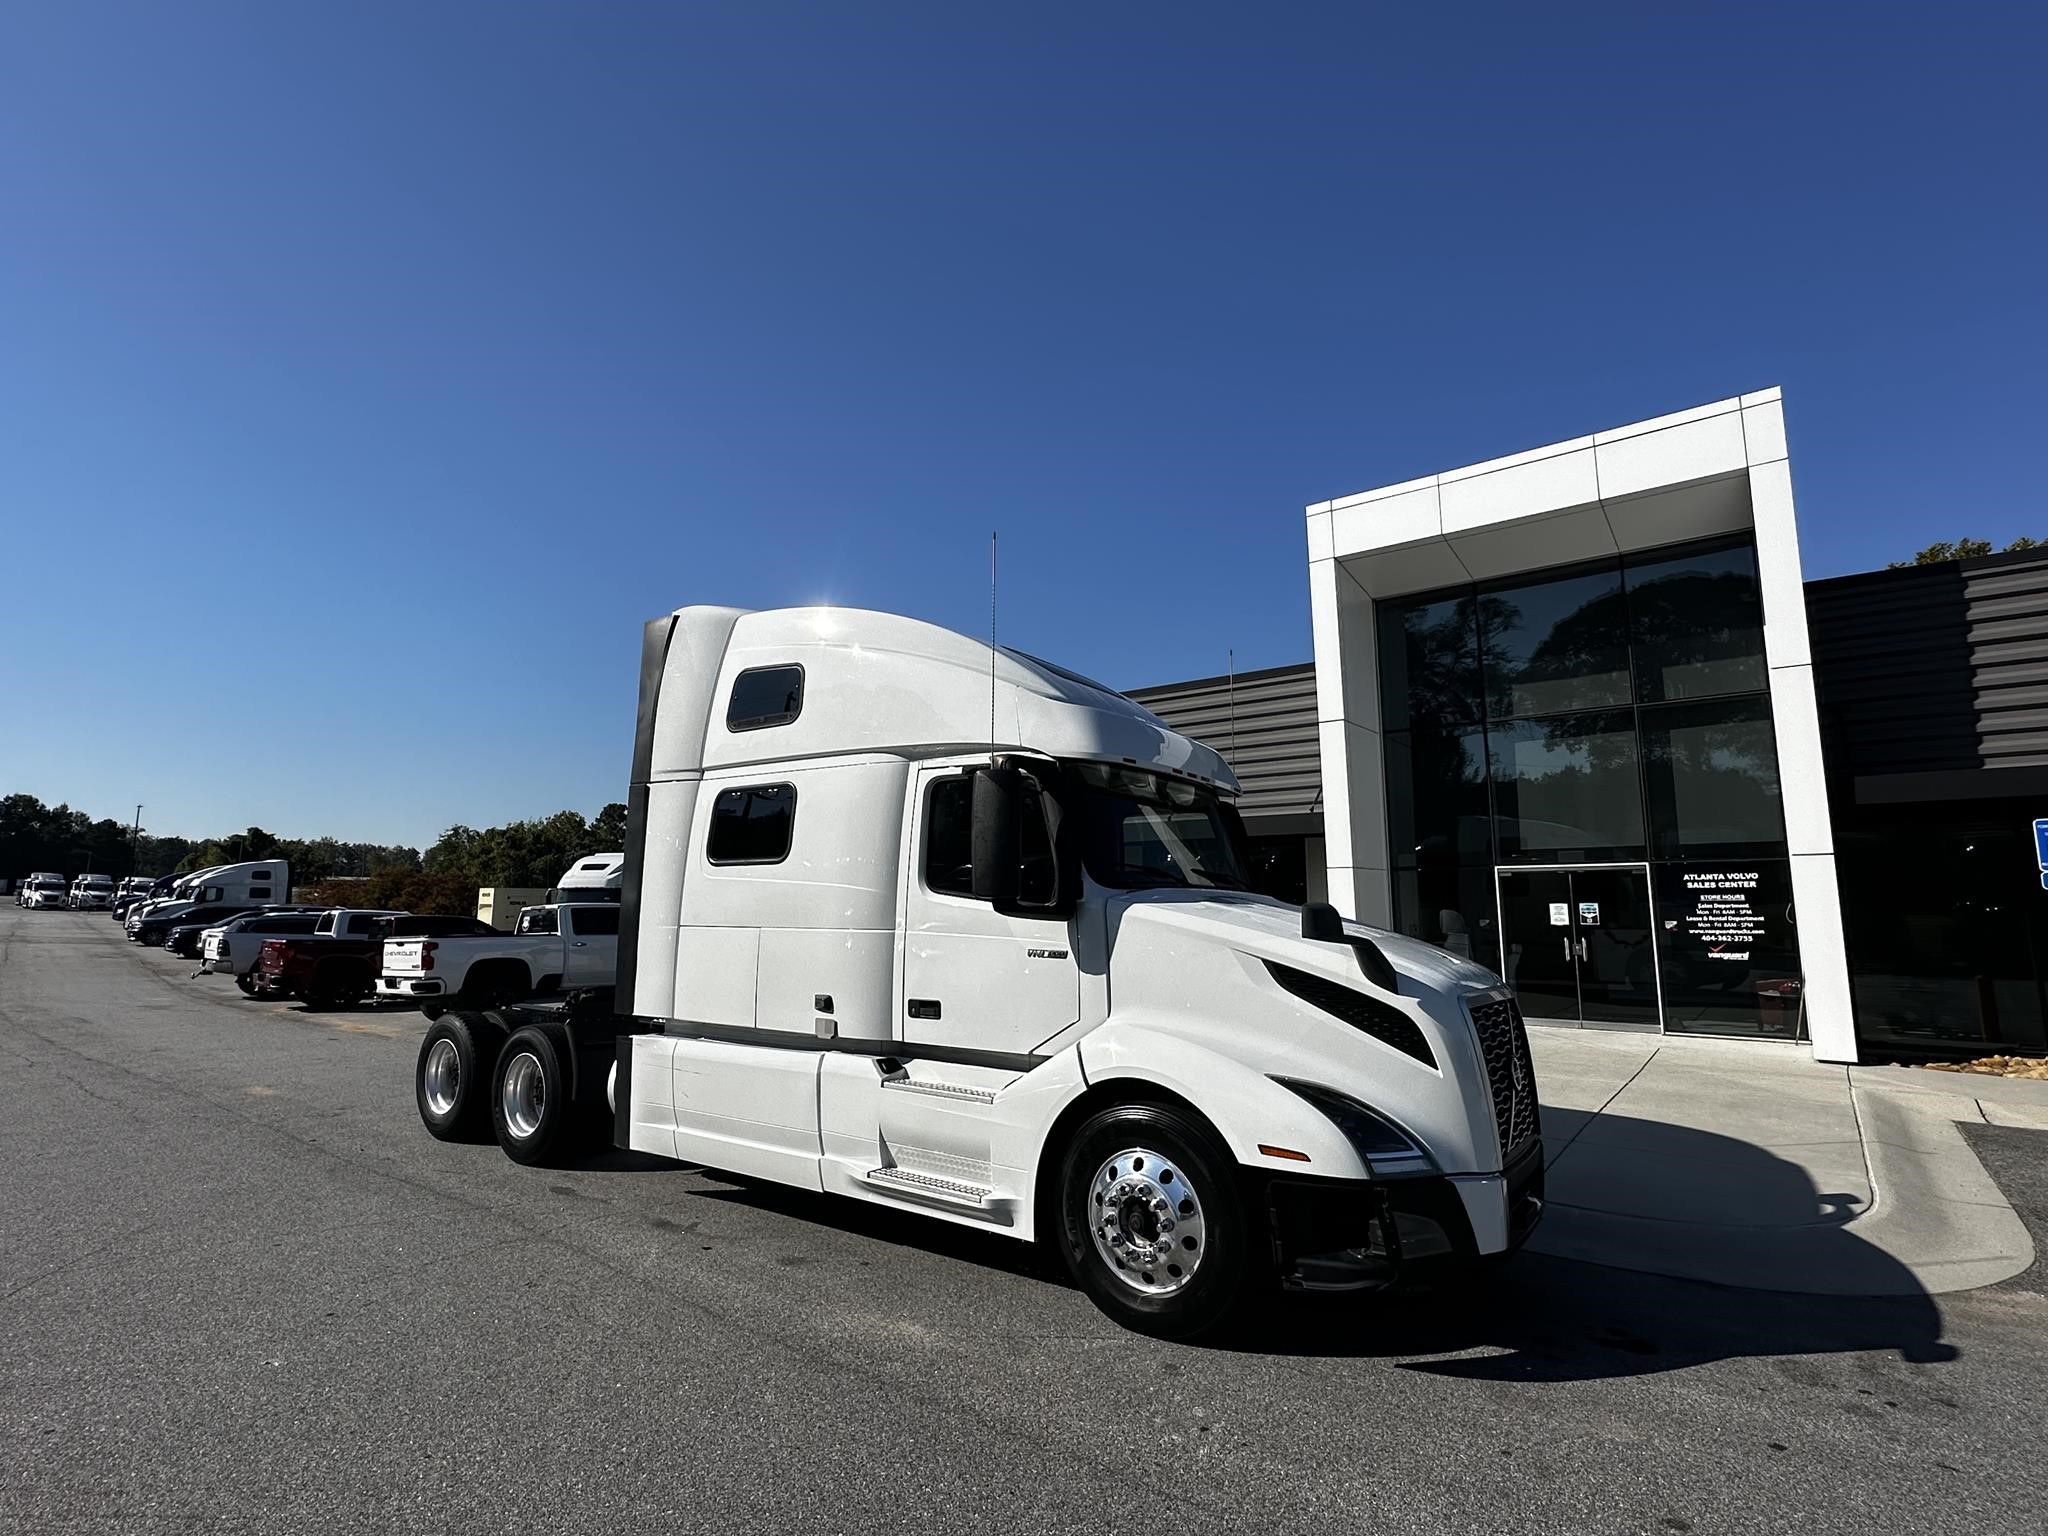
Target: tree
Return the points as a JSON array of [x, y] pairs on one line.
[[1961, 549], [608, 831]]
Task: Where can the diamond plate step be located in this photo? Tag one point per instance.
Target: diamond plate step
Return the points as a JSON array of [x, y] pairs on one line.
[[944, 1090], [908, 1181]]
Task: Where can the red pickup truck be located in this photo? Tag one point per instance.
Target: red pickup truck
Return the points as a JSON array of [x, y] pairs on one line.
[[335, 966]]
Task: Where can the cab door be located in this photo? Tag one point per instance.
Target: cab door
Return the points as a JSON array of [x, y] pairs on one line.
[[974, 978]]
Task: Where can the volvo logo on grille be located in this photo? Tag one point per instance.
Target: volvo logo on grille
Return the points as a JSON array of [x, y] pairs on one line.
[[1517, 1069]]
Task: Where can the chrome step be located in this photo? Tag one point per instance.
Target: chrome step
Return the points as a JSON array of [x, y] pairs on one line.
[[908, 1181]]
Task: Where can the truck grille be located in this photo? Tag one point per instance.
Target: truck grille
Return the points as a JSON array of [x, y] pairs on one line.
[[1510, 1074]]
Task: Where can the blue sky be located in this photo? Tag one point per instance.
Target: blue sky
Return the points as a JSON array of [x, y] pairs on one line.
[[368, 374]]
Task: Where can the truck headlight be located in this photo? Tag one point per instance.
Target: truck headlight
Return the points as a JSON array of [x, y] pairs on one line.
[[1388, 1150]]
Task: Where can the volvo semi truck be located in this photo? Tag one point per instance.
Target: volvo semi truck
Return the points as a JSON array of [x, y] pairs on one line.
[[943, 928]]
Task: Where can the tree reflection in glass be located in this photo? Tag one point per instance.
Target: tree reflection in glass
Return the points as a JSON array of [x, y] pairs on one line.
[[1556, 645], [1698, 623]]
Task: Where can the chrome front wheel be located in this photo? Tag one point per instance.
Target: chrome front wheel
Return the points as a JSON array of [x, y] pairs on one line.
[[1147, 1221], [1154, 1221]]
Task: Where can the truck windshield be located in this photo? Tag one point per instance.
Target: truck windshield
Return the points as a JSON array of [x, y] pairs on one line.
[[1140, 828]]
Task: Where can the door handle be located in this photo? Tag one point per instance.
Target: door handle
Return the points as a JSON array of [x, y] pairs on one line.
[[1567, 945], [924, 1007], [579, 944], [1582, 949]]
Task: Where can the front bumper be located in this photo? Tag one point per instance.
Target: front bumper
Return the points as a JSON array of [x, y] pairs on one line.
[[1372, 1235]]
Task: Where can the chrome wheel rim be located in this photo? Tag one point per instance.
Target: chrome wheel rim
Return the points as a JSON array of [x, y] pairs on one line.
[[443, 1076], [1146, 1219], [523, 1094]]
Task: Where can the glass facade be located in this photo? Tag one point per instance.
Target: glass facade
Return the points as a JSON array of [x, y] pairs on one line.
[[1615, 714], [1947, 927]]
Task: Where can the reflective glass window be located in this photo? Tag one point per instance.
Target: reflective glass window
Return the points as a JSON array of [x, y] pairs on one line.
[[1429, 663], [1711, 774], [1452, 908], [1555, 645], [1950, 958], [765, 696], [1436, 796], [1567, 788], [949, 843], [752, 826], [1698, 622], [1727, 948]]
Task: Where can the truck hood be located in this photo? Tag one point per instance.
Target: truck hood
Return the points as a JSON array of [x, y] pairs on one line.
[[1201, 975], [1271, 929]]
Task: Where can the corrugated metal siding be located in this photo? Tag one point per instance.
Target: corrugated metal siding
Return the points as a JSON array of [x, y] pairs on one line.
[[1272, 747], [1935, 667]]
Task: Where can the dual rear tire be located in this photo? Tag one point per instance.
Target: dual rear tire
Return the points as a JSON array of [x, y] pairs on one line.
[[478, 1077]]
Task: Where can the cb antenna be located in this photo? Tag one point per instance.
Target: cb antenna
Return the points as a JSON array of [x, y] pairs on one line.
[[991, 645], [1230, 693]]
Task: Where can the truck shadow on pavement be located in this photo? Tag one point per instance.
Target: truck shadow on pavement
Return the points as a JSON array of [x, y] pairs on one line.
[[1666, 1241], [1543, 1317]]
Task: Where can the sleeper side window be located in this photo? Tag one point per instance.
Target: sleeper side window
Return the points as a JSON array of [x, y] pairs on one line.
[[752, 825], [765, 696]]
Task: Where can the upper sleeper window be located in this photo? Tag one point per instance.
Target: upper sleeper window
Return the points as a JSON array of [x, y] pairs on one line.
[[752, 826], [765, 696]]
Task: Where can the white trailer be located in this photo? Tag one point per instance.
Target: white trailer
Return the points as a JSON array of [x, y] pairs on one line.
[[500, 905], [946, 929]]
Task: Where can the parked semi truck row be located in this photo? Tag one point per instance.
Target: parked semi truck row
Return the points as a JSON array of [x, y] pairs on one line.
[[947, 929]]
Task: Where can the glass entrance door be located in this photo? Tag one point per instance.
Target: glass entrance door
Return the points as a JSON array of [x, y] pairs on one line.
[[1578, 945], [1537, 948]]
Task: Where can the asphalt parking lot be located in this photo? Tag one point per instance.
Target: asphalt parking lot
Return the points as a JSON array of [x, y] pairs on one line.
[[244, 1290]]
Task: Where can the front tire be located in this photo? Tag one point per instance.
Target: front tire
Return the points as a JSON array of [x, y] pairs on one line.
[[1153, 1220], [453, 1078]]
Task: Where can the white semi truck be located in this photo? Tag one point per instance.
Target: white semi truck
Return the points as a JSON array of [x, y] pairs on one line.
[[947, 929]]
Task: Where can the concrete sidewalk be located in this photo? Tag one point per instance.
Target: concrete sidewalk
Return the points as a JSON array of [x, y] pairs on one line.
[[1750, 1164]]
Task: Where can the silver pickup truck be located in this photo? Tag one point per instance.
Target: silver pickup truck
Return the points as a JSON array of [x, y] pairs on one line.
[[565, 947]]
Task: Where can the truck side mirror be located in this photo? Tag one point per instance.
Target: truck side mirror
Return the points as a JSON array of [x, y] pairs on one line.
[[997, 835]]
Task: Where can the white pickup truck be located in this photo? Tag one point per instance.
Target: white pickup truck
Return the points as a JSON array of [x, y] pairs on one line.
[[566, 947]]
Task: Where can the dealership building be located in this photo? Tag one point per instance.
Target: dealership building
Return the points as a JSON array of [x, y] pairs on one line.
[[1576, 714]]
